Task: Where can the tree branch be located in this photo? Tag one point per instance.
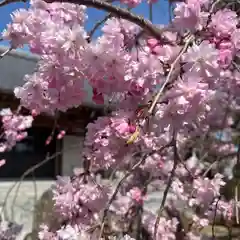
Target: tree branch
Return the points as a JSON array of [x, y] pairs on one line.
[[97, 25], [30, 170], [6, 52], [161, 90], [127, 174], [6, 2], [116, 192], [166, 191], [121, 13]]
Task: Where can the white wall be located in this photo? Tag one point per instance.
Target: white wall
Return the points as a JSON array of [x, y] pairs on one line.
[[21, 209], [72, 151]]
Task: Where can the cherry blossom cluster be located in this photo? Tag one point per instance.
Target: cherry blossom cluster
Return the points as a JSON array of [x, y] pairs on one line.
[[70, 233], [9, 230], [14, 128], [79, 199], [52, 85], [167, 96]]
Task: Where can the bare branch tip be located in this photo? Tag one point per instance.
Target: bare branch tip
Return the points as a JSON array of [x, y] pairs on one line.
[[5, 53]]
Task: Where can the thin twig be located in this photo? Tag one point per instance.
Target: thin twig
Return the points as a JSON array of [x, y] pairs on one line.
[[214, 219], [165, 193], [214, 5], [97, 25], [128, 173], [151, 11], [55, 123], [210, 168], [17, 191], [156, 99], [35, 189], [170, 9], [29, 170], [236, 186], [236, 203], [236, 66], [6, 52], [139, 222]]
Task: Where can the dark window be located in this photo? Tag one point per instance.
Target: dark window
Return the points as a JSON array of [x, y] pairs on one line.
[[30, 152]]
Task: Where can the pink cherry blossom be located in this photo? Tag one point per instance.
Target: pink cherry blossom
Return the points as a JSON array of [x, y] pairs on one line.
[[224, 22], [14, 126], [202, 59], [169, 92], [188, 16]]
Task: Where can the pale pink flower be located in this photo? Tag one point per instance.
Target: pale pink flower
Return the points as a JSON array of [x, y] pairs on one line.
[[78, 201], [2, 162], [202, 59], [236, 38], [137, 195], [166, 228], [224, 22], [14, 126], [188, 16]]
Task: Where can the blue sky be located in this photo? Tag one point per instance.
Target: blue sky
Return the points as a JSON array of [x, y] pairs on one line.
[[160, 13]]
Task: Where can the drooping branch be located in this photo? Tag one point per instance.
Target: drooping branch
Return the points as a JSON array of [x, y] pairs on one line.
[[161, 90], [145, 24], [167, 189], [97, 25]]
